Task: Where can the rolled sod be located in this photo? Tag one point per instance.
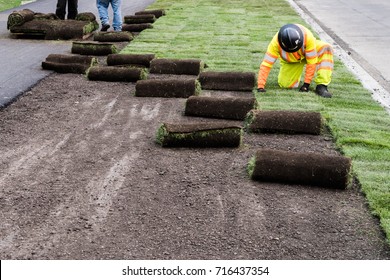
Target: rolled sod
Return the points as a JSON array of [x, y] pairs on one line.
[[77, 68], [68, 58], [116, 74], [203, 134], [136, 27], [157, 13], [122, 36], [86, 16], [146, 18], [57, 29], [235, 108], [167, 88], [176, 66], [300, 168], [130, 59], [291, 122], [63, 63], [233, 81], [93, 48], [18, 18]]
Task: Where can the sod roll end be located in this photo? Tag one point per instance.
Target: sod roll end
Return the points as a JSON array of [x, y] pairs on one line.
[[302, 168]]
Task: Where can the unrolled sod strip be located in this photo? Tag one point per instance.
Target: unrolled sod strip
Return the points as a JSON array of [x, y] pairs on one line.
[[157, 13], [116, 74], [146, 18], [176, 66], [292, 122], [202, 134], [230, 81], [93, 48], [122, 36], [300, 168], [167, 88], [130, 59], [136, 27], [235, 108]]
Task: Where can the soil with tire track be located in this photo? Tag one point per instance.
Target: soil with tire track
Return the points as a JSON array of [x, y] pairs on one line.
[[82, 178]]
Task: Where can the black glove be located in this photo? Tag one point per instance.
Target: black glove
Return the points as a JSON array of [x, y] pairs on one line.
[[305, 87], [261, 90]]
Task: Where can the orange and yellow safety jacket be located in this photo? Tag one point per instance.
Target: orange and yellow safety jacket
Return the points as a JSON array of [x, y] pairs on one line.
[[307, 54]]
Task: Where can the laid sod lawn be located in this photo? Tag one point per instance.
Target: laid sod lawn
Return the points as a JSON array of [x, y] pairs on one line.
[[232, 35], [8, 4]]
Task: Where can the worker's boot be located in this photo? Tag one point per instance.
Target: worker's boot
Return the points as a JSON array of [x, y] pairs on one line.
[[322, 90]]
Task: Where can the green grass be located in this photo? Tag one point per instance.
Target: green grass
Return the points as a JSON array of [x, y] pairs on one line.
[[8, 4], [232, 35]]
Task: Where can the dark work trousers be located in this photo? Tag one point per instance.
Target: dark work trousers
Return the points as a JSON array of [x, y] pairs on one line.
[[61, 9]]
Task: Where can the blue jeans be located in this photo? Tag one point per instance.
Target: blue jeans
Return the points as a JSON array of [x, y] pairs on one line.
[[102, 6]]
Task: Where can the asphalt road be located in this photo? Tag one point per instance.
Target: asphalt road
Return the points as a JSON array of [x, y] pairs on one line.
[[20, 61]]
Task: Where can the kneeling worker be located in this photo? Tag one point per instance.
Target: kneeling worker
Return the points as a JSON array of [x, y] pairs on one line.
[[296, 47]]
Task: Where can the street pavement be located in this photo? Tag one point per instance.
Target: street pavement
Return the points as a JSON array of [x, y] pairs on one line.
[[20, 60], [359, 28]]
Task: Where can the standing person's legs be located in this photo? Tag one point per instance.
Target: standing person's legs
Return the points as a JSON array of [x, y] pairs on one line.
[[61, 9], [102, 6], [72, 9], [116, 7], [290, 74]]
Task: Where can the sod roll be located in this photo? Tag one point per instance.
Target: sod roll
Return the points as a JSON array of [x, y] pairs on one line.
[[86, 16], [18, 18], [230, 81], [176, 66], [64, 63], [115, 74], [146, 18], [167, 88], [136, 27], [130, 59], [122, 36], [201, 134], [56, 29], [291, 122], [235, 108], [301, 168], [157, 13], [77, 68], [68, 58], [93, 48], [45, 16]]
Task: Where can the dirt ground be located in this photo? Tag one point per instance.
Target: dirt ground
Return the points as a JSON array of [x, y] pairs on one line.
[[83, 178]]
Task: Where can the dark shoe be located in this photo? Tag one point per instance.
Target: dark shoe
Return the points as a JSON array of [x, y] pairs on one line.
[[322, 91], [105, 27]]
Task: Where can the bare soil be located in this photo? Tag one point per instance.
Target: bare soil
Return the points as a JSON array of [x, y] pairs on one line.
[[83, 178]]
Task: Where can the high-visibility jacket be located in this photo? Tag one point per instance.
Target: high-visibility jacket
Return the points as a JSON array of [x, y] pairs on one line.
[[307, 54]]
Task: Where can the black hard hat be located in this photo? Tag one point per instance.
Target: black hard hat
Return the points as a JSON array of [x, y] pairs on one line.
[[290, 38]]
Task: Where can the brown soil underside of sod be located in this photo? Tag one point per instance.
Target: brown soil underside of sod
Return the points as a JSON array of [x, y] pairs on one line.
[[82, 178]]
